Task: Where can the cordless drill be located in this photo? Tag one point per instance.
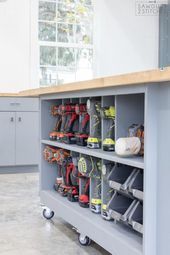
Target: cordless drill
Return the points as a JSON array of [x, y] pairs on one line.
[[55, 113], [93, 109], [84, 196], [69, 123], [84, 119], [108, 116]]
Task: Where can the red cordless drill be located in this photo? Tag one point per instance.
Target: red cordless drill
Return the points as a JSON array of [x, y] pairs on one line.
[[83, 134], [84, 197], [68, 119], [55, 113], [71, 123]]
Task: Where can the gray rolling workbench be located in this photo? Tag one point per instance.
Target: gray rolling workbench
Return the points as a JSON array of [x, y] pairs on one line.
[[141, 103]]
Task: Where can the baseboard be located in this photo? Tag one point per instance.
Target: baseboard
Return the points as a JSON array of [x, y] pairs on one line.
[[19, 169]]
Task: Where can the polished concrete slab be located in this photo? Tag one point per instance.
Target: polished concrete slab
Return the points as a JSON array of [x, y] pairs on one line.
[[23, 230]]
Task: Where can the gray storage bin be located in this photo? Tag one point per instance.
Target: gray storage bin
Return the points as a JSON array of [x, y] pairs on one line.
[[120, 206], [136, 217], [136, 185], [120, 177]]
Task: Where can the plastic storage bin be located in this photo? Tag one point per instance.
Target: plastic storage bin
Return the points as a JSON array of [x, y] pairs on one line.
[[120, 206], [136, 217], [136, 185], [120, 177]]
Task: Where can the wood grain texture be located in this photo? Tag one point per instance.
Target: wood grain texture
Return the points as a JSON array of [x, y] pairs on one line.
[[152, 76], [69, 87], [9, 94], [149, 77]]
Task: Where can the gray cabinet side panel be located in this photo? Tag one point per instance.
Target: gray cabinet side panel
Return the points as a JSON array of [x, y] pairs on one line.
[[7, 138], [27, 138], [150, 170], [163, 189]]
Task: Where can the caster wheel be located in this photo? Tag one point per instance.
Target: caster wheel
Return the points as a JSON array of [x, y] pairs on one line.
[[84, 240], [48, 214]]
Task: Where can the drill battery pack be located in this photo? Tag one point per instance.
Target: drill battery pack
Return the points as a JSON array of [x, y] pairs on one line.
[[96, 205], [81, 139], [108, 144], [73, 194], [69, 138], [84, 201], [61, 189], [60, 137]]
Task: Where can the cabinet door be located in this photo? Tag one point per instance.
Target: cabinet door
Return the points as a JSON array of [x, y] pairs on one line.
[[7, 138], [27, 138]]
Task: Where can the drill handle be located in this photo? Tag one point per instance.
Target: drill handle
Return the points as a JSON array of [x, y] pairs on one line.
[[63, 122], [84, 126], [86, 188], [70, 122]]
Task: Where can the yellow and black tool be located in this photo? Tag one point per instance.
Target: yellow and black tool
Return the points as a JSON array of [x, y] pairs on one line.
[[109, 113], [93, 109]]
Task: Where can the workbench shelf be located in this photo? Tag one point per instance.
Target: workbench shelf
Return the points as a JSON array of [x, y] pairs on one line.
[[133, 104], [99, 153]]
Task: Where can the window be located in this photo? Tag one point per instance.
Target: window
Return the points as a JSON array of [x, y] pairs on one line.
[[66, 41]]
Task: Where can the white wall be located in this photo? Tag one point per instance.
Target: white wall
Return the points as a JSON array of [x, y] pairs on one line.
[[124, 42], [18, 32]]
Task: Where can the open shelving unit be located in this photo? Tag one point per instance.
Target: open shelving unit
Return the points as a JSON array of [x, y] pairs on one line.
[[133, 105]]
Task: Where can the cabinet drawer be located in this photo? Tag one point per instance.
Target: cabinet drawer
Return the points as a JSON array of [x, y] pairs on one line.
[[27, 104], [19, 104], [7, 104]]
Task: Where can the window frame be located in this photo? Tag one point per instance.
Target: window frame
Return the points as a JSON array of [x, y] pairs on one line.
[[57, 45]]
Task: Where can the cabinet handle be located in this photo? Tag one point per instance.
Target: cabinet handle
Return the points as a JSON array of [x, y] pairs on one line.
[[16, 104], [19, 119], [12, 119]]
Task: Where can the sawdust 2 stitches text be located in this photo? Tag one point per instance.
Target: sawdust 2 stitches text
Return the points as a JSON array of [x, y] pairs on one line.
[[147, 9]]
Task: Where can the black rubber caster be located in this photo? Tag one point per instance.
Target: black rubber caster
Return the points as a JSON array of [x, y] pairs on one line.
[[48, 214], [84, 240]]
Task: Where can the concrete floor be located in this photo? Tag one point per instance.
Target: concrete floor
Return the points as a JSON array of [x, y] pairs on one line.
[[24, 231]]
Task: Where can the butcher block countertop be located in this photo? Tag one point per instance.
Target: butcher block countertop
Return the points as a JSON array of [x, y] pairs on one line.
[[137, 78]]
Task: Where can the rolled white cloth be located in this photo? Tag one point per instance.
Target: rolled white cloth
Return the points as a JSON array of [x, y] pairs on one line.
[[128, 146]]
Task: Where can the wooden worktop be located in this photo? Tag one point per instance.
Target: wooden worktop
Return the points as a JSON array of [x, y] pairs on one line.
[[9, 94], [152, 76]]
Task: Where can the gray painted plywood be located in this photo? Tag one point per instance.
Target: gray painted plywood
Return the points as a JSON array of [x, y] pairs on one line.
[[7, 138]]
